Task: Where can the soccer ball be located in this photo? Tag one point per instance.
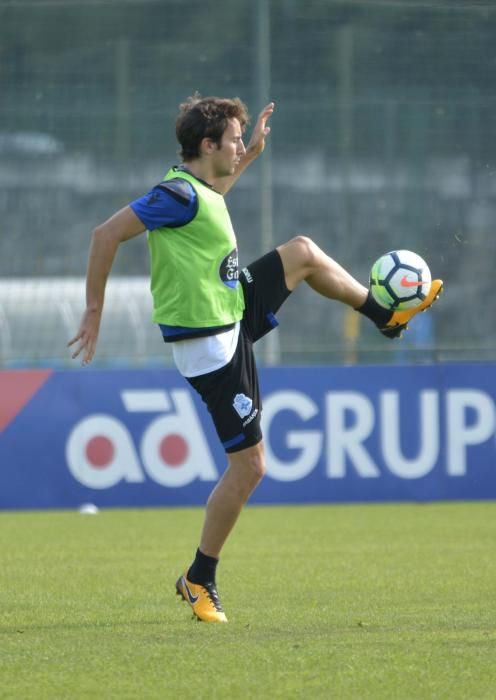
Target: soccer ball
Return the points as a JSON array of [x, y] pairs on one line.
[[400, 280]]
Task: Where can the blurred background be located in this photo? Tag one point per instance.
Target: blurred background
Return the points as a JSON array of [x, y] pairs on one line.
[[383, 137]]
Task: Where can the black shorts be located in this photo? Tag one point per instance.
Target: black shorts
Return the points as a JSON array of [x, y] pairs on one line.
[[231, 393]]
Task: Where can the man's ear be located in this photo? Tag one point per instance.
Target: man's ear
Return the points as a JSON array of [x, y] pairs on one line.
[[208, 146]]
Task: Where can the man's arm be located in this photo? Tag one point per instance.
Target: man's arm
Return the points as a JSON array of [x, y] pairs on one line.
[[253, 150], [106, 238]]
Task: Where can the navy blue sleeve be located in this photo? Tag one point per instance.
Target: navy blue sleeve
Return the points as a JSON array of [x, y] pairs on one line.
[[172, 203]]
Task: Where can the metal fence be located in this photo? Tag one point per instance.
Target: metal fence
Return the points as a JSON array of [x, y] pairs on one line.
[[383, 137]]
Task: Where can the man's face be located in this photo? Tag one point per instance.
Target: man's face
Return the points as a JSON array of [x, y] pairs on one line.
[[226, 157]]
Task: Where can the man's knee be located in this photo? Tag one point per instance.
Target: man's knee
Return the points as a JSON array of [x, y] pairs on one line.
[[300, 257], [249, 464], [257, 466], [306, 250]]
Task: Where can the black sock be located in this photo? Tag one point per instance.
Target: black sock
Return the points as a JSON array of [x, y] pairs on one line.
[[202, 570], [377, 313]]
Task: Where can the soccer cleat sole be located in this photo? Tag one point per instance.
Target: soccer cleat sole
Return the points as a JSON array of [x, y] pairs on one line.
[[400, 327], [439, 292]]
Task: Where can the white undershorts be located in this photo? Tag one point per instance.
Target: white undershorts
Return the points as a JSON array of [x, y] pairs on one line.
[[197, 356]]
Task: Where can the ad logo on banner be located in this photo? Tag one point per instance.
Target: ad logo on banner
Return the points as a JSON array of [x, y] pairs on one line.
[[172, 451]]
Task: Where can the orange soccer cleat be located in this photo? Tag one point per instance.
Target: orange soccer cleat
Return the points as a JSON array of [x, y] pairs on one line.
[[400, 319], [203, 599]]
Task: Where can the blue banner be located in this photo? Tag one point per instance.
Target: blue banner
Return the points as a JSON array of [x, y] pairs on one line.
[[332, 434]]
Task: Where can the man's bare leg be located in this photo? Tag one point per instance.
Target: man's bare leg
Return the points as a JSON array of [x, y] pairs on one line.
[[244, 472], [303, 260], [197, 586]]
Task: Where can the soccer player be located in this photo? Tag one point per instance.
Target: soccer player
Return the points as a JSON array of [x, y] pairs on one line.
[[211, 312]]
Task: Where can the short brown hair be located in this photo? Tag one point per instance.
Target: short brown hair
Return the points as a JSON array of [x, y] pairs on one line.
[[206, 117]]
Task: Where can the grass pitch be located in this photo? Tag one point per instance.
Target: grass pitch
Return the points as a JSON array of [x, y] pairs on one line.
[[376, 601]]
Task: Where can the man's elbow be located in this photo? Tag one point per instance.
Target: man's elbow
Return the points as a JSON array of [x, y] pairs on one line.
[[106, 233]]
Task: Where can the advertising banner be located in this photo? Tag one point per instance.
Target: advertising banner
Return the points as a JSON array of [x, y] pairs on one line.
[[126, 438]]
